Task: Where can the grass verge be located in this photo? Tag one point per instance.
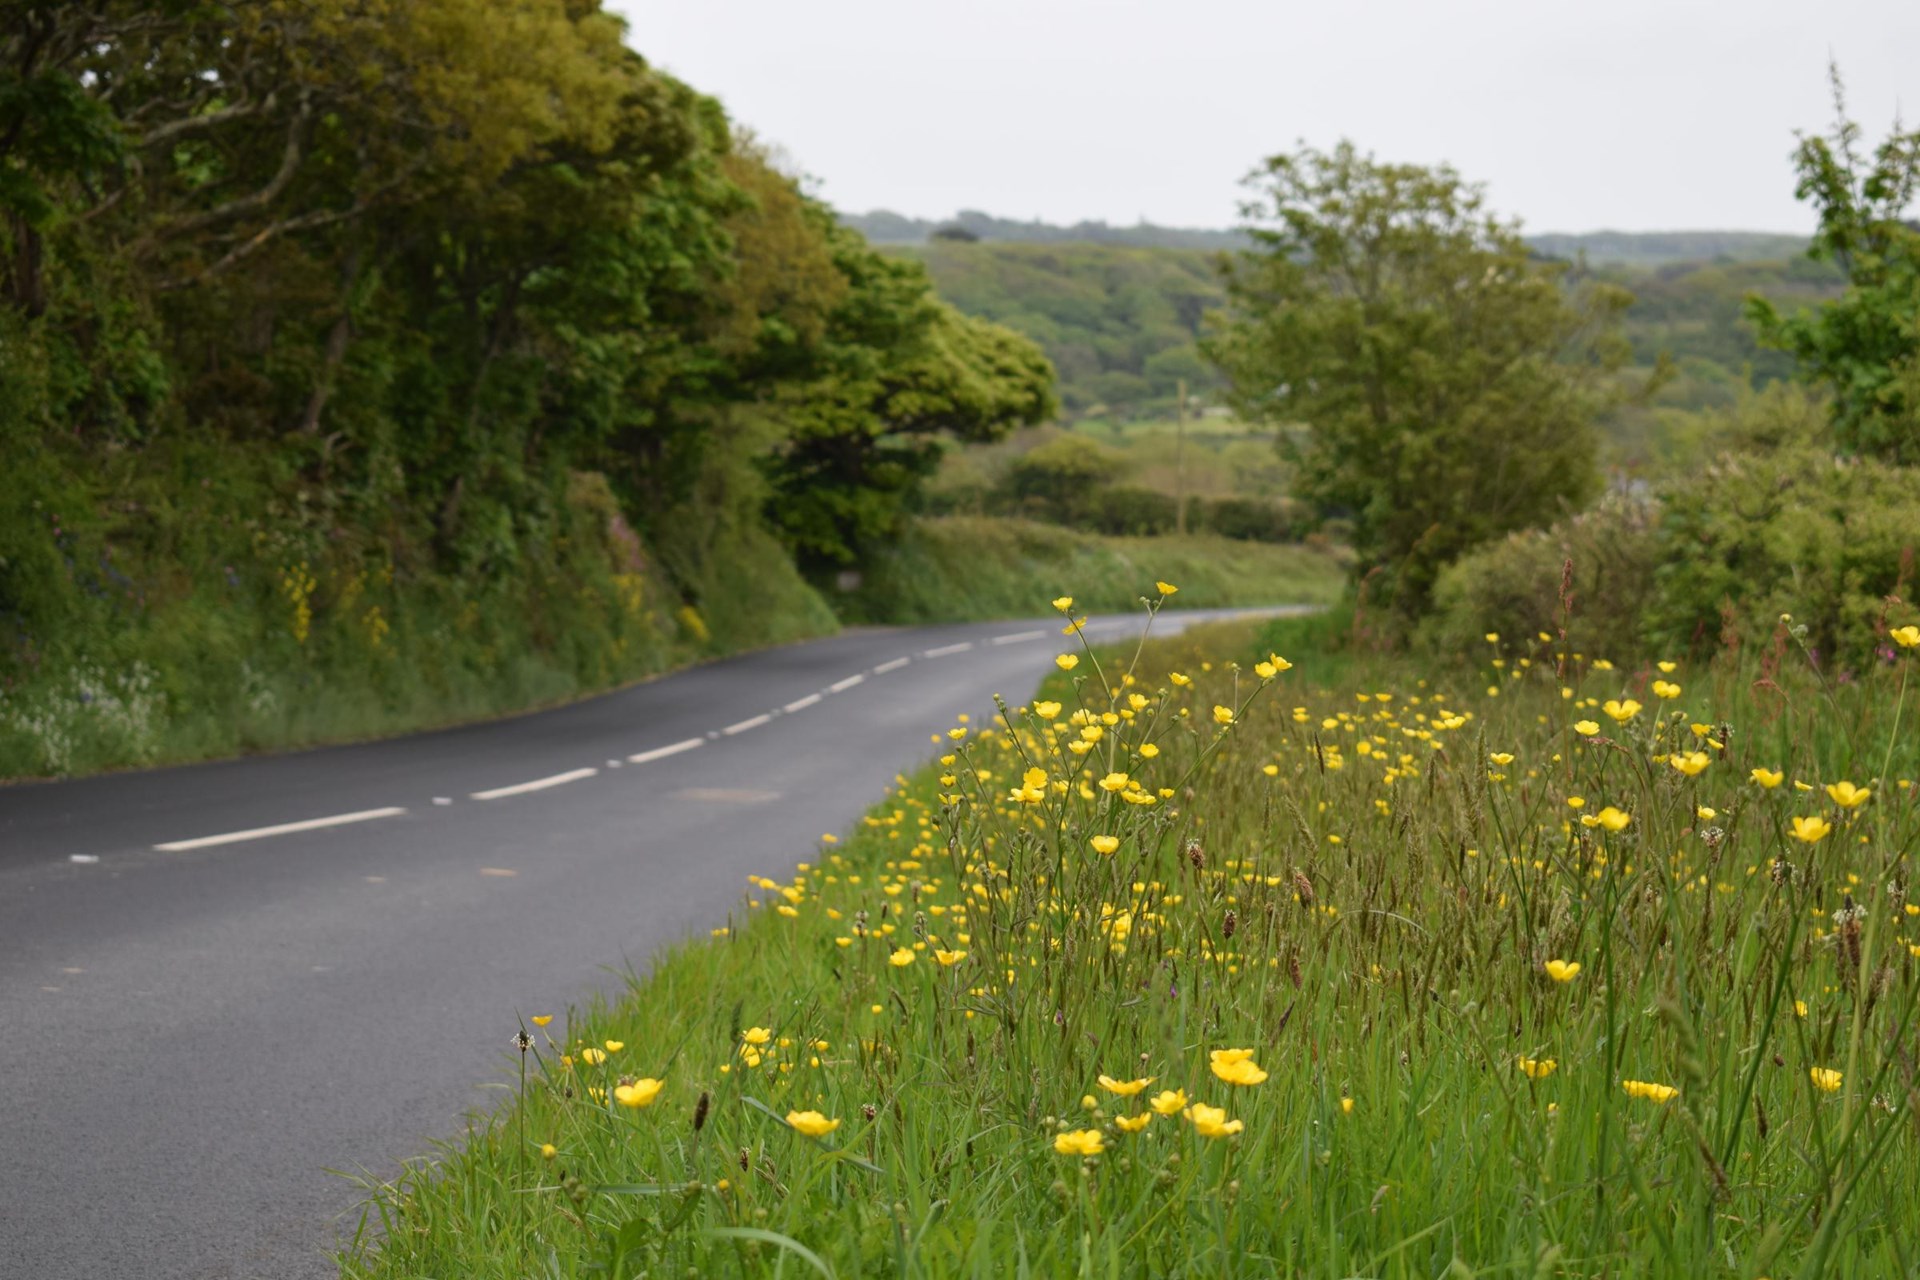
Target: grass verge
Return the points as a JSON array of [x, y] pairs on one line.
[[1534, 966], [975, 568]]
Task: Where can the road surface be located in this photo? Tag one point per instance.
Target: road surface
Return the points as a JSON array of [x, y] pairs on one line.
[[218, 982]]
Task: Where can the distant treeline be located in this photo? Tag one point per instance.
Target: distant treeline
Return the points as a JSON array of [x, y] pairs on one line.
[[1600, 248]]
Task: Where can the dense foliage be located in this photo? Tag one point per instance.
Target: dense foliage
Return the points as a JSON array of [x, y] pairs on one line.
[[1447, 379], [318, 321], [1864, 347]]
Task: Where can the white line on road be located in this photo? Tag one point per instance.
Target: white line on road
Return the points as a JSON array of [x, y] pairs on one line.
[[1019, 637], [745, 725], [801, 704], [538, 784], [895, 665], [844, 685], [661, 753], [946, 649], [284, 829]]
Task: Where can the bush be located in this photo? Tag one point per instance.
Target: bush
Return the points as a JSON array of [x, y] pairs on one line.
[[1790, 531], [1250, 519], [1512, 586], [1128, 511]]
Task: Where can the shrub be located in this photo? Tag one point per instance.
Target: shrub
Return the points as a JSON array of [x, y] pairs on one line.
[[1512, 586], [1790, 531], [1250, 519], [1129, 511]]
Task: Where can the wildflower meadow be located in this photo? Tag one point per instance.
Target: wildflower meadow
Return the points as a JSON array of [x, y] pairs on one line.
[[1238, 954]]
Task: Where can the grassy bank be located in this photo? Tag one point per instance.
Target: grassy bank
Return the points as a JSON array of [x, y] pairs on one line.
[[967, 568], [1519, 967], [188, 621]]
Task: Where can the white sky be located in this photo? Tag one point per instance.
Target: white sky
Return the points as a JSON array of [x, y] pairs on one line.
[[1631, 115]]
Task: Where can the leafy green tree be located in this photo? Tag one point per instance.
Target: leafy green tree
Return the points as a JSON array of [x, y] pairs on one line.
[[1446, 380], [1864, 347]]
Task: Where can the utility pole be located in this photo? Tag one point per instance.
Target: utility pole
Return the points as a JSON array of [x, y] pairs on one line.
[[1180, 464]]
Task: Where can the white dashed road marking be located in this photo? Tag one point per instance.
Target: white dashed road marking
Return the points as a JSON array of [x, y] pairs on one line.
[[745, 725], [895, 665], [1020, 637], [538, 784], [661, 753], [844, 685], [946, 649], [284, 829], [801, 704]]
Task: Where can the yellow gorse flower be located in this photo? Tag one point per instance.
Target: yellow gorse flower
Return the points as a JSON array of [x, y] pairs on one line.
[[1080, 1142], [812, 1123]]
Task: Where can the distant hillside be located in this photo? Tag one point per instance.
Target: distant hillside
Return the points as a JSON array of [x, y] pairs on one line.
[[1120, 322], [1602, 248], [885, 227]]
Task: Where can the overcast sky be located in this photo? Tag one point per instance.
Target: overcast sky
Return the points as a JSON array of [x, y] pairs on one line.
[[1634, 115]]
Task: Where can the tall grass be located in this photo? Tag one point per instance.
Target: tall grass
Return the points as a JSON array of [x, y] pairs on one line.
[[1017, 990]]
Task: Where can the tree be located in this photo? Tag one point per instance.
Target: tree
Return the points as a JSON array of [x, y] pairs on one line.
[[1447, 381], [1865, 346]]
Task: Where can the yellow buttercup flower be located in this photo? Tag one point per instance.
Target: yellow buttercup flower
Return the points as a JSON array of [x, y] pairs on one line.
[[812, 1123], [593, 1057], [1586, 728], [1906, 637], [548, 1151], [1502, 758], [1105, 844], [1621, 711], [615, 1046], [1562, 970], [1664, 689], [948, 959], [1650, 1091], [1812, 829], [1825, 1079], [1064, 603], [1148, 751], [1667, 668], [1538, 1068], [1166, 588], [1346, 1106], [1691, 763], [1222, 715], [1846, 795], [1613, 819], [1133, 1124], [1235, 1066], [1125, 1088], [756, 1035], [1177, 678], [541, 1019], [1212, 1122], [1046, 710], [902, 958], [1114, 782], [1067, 661], [1080, 1142], [1169, 1102], [1768, 778], [640, 1093]]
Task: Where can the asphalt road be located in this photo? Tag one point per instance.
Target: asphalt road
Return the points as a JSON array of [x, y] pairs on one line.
[[194, 1028]]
